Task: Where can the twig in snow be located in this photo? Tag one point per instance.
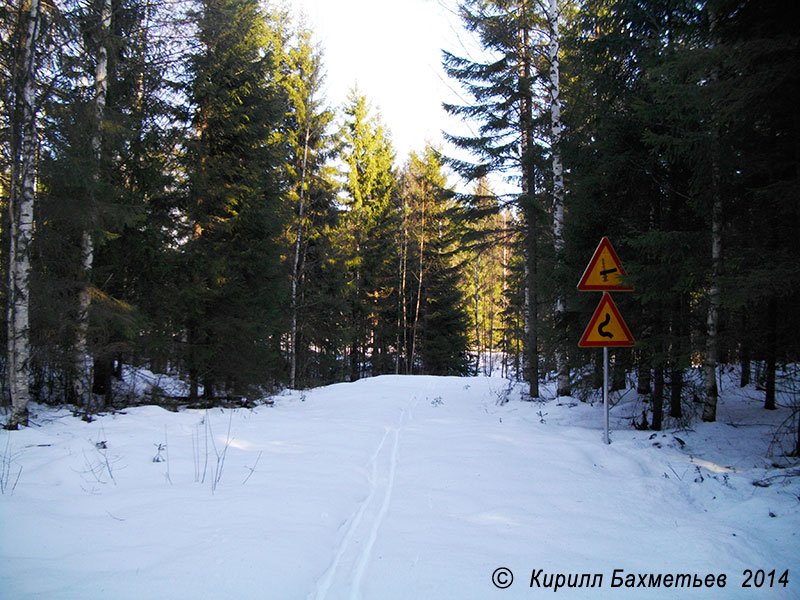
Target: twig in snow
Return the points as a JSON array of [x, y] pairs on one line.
[[5, 471], [252, 469], [166, 448]]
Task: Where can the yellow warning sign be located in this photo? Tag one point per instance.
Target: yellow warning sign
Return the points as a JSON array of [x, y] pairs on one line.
[[605, 272], [607, 328]]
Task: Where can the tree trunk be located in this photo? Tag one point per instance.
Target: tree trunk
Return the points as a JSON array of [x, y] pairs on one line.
[[21, 206], [419, 286], [562, 365], [712, 320], [644, 378], [530, 348], [676, 390], [296, 267], [658, 398], [618, 374], [477, 315], [772, 331], [402, 313], [82, 381], [675, 355]]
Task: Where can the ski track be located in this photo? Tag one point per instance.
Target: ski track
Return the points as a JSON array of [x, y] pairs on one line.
[[345, 574]]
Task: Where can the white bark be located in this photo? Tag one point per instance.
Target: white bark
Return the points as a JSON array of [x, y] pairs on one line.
[[296, 264], [477, 313], [419, 286], [712, 320], [82, 382], [558, 187], [530, 351], [21, 205]]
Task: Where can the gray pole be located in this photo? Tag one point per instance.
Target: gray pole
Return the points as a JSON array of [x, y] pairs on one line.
[[605, 391]]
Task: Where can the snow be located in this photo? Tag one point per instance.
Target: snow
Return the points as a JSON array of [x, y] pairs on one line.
[[392, 487]]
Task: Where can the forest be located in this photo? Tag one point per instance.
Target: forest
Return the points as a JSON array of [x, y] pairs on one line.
[[178, 194]]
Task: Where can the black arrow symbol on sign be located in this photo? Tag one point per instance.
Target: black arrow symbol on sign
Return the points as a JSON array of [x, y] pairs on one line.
[[603, 325]]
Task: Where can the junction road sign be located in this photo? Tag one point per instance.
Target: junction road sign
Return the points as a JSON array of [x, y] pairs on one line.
[[605, 272]]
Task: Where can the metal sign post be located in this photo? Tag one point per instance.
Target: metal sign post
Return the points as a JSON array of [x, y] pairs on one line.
[[605, 393], [607, 328]]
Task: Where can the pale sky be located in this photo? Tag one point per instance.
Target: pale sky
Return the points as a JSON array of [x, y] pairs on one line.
[[390, 49]]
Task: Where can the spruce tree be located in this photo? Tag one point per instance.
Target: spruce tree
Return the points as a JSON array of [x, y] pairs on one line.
[[312, 191], [502, 90], [442, 316], [234, 294], [367, 232], [433, 325]]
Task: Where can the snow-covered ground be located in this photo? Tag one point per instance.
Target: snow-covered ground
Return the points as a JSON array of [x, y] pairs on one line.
[[395, 487]]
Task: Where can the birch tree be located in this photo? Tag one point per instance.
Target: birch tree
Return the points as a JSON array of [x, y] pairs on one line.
[[83, 372], [714, 300], [20, 208], [553, 48]]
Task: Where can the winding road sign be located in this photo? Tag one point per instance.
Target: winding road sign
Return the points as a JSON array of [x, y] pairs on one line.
[[607, 327]]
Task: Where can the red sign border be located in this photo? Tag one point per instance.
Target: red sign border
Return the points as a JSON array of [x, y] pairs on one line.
[[606, 300], [584, 287]]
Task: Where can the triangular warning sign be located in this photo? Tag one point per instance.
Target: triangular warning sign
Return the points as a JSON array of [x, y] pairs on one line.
[[607, 327], [604, 272]]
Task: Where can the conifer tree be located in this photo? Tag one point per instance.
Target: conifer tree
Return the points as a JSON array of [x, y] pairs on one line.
[[133, 308], [502, 89], [104, 188], [312, 191], [486, 244], [441, 305], [366, 234], [235, 204], [434, 324]]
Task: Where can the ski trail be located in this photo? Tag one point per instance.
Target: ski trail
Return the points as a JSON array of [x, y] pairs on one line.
[[345, 575], [366, 553], [327, 580]]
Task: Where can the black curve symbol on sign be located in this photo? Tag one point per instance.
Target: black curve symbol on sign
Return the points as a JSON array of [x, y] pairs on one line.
[[603, 325]]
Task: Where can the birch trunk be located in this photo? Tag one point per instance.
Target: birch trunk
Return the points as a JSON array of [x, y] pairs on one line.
[[82, 383], [419, 286], [477, 314], [296, 265], [562, 365], [530, 349], [712, 319], [21, 205]]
